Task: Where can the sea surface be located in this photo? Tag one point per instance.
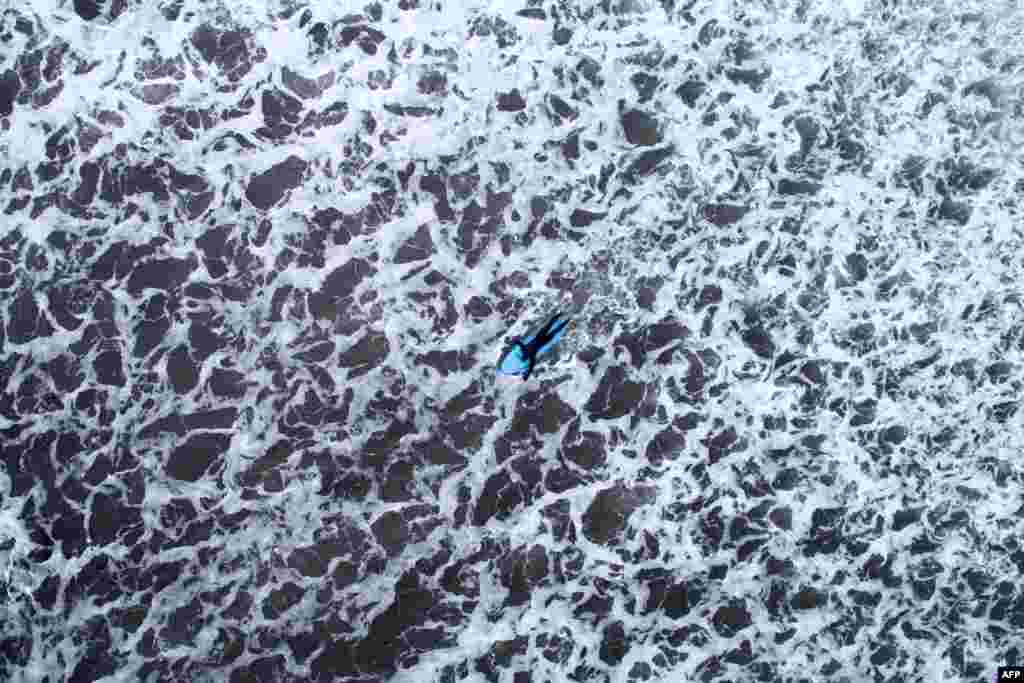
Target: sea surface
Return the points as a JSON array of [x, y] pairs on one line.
[[258, 261]]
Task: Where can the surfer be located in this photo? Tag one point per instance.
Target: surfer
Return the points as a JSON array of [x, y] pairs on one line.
[[520, 359]]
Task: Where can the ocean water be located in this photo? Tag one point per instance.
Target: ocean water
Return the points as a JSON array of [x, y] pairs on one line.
[[258, 260]]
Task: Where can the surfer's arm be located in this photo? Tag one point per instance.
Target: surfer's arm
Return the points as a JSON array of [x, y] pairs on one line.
[[529, 369], [550, 333]]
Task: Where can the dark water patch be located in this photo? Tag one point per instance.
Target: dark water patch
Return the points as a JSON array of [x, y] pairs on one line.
[[511, 101], [691, 91], [268, 188], [615, 395], [196, 457], [640, 127]]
